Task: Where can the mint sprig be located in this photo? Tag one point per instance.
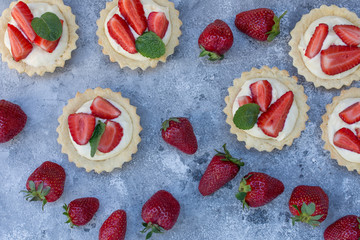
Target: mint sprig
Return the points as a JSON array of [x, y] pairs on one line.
[[246, 116], [150, 45], [95, 138], [48, 26]]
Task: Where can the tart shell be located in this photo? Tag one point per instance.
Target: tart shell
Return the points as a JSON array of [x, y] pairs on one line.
[[122, 60], [22, 67], [299, 96], [299, 30], [350, 93], [68, 148]]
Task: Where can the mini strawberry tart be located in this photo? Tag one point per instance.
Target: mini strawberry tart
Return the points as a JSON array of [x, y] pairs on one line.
[[325, 47], [266, 108], [341, 129], [139, 33], [37, 35], [99, 130]]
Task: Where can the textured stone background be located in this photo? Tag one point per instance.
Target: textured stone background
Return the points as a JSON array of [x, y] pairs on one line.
[[184, 86]]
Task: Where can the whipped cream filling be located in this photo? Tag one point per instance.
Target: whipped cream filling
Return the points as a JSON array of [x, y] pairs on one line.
[[39, 57], [278, 89], [313, 64], [124, 120], [335, 123], [149, 6]]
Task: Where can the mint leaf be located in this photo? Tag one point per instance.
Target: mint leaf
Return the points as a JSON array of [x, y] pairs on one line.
[[246, 116], [48, 26], [95, 138], [150, 45]]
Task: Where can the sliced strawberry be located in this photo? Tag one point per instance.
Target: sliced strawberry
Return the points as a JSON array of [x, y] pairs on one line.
[[20, 46], [351, 114], [317, 40], [47, 45], [111, 137], [121, 33], [81, 126], [349, 34], [244, 100], [102, 108], [23, 17], [346, 139], [133, 12], [261, 93], [338, 59], [272, 122], [158, 23], [357, 130]]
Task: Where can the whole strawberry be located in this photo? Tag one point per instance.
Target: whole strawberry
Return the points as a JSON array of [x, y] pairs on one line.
[[222, 169], [12, 120], [46, 183], [261, 24], [257, 189], [309, 204], [160, 212], [80, 211], [345, 228], [114, 228], [179, 133], [216, 39]]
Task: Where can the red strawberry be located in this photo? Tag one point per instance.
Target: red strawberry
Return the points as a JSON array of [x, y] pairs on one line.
[[160, 212], [272, 122], [20, 46], [346, 139], [46, 183], [222, 169], [102, 108], [80, 211], [216, 39], [349, 34], [351, 114], [158, 23], [133, 12], [23, 17], [357, 130], [309, 204], [81, 126], [111, 137], [317, 40], [47, 45], [12, 120], [261, 23], [179, 133], [345, 228], [261, 93], [121, 33], [338, 59], [114, 228], [244, 100], [257, 189]]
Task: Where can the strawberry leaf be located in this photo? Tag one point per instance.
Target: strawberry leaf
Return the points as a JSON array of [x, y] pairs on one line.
[[275, 30], [246, 116], [212, 55], [95, 138], [150, 45], [48, 26]]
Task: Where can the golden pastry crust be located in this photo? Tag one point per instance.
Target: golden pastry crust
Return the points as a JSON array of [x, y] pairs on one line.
[[122, 60], [22, 67], [64, 135], [298, 32], [350, 93], [299, 97]]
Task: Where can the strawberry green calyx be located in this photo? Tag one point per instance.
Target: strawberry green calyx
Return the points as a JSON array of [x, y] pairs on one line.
[[305, 215], [244, 188], [66, 213], [154, 229], [38, 194], [166, 123], [275, 28], [212, 55], [228, 158]]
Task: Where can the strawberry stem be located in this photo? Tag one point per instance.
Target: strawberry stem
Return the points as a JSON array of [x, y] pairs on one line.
[[305, 215], [228, 158], [66, 213], [212, 55], [37, 194], [154, 229], [275, 30], [244, 188], [166, 123]]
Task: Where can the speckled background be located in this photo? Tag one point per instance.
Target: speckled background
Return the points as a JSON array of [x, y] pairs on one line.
[[184, 86]]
